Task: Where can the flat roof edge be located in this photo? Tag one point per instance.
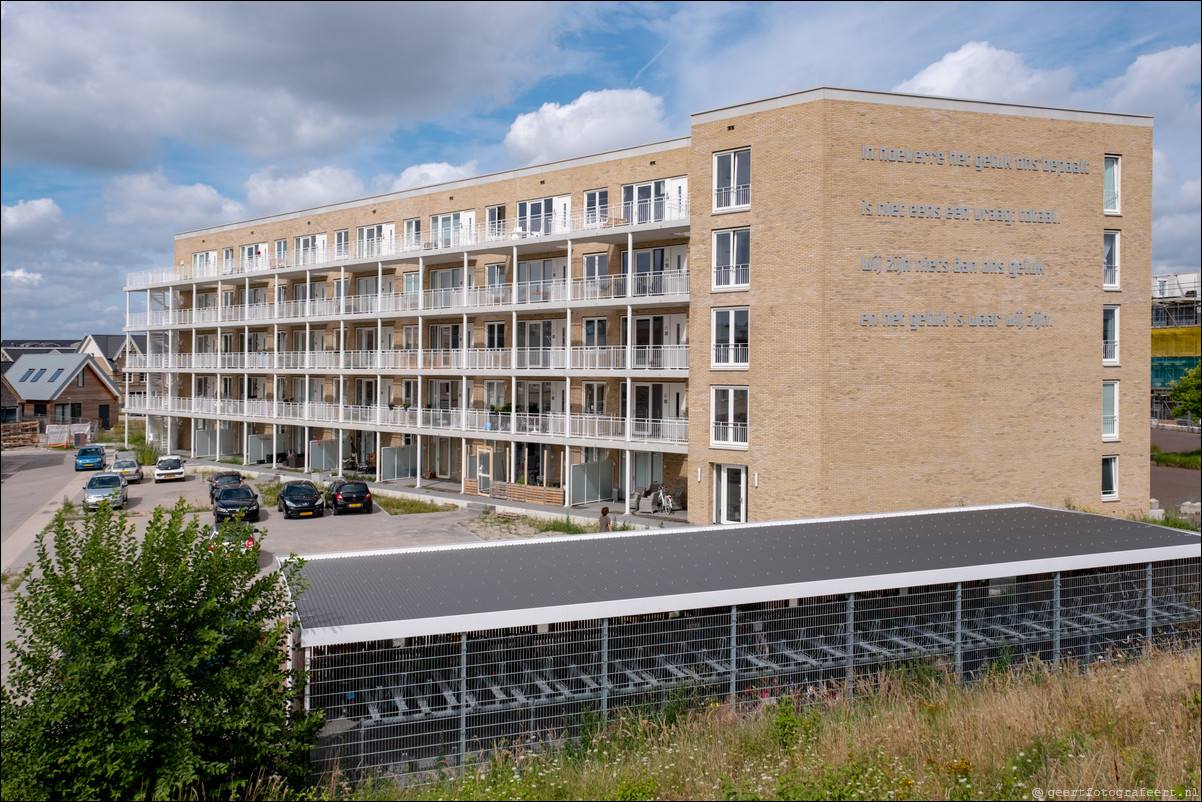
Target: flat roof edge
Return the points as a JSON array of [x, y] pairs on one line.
[[920, 101], [557, 614]]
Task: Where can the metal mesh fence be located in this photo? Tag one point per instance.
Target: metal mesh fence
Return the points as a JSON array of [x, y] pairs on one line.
[[411, 706]]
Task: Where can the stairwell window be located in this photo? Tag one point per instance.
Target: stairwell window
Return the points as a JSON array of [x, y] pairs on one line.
[[1112, 186], [732, 257], [1110, 406], [1110, 335], [1110, 478], [728, 417], [731, 333], [1110, 260], [732, 180]]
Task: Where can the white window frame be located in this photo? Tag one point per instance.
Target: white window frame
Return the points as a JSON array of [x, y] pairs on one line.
[[731, 432], [594, 332], [204, 262], [733, 275], [495, 223], [1112, 461], [1110, 348], [281, 253], [596, 207], [375, 240], [342, 244], [1112, 198], [413, 233], [1110, 272], [732, 196], [494, 393], [596, 392], [729, 355], [721, 497], [1110, 422]]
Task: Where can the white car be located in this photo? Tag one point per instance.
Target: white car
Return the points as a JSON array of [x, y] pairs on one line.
[[168, 469]]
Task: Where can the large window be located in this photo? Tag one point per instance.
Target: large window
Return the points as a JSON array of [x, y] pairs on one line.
[[1112, 185], [731, 329], [495, 220], [376, 240], [413, 233], [732, 179], [596, 207], [1110, 335], [1110, 259], [342, 244], [1110, 478], [729, 417], [450, 230], [1110, 407], [732, 258]]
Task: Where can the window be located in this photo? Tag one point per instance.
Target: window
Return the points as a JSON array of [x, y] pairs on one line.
[[494, 335], [413, 233], [202, 263], [729, 417], [41, 372], [411, 283], [495, 221], [732, 258], [732, 180], [281, 252], [1110, 418], [39, 409], [227, 256], [730, 494], [644, 203], [1110, 259], [1110, 478], [494, 394], [342, 244], [28, 373], [494, 278], [54, 376], [596, 207], [596, 266], [542, 216], [449, 230], [593, 398], [1110, 335], [1111, 186], [376, 240], [307, 248], [731, 328], [594, 332]]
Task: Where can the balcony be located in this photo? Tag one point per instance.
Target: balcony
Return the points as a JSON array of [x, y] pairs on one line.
[[559, 425], [589, 222]]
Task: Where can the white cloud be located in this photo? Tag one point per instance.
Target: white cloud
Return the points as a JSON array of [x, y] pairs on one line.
[[979, 70], [149, 199], [593, 122], [268, 193], [30, 221], [23, 276], [1163, 84], [104, 84], [424, 175]]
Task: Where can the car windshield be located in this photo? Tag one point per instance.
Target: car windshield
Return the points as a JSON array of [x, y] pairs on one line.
[[236, 493], [169, 464], [125, 463], [104, 481], [91, 451], [299, 490]]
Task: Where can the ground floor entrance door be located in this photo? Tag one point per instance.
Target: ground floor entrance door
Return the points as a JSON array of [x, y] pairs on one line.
[[484, 469], [730, 494]]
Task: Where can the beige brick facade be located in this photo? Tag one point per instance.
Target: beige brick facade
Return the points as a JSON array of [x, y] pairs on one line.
[[895, 243]]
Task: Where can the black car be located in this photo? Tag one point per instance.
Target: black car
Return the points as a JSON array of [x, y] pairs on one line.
[[236, 502], [221, 480], [301, 499], [345, 495]]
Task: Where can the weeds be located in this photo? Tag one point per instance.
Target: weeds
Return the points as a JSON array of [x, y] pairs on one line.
[[1179, 459], [395, 505]]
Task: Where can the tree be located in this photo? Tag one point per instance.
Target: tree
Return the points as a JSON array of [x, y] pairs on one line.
[[151, 669], [1185, 394]]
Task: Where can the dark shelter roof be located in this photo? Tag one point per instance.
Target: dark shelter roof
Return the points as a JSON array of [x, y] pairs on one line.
[[376, 595]]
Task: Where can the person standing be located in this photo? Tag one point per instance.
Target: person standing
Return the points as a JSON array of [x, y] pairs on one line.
[[605, 525]]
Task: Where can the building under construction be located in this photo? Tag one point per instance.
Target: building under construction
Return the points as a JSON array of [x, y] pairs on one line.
[[422, 658]]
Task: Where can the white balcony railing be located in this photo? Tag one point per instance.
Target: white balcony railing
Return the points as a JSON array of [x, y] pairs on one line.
[[599, 358], [1110, 425], [661, 357], [1110, 350], [732, 275], [660, 430], [728, 433], [591, 220], [542, 359]]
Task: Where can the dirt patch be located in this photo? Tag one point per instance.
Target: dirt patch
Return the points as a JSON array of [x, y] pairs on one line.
[[491, 526]]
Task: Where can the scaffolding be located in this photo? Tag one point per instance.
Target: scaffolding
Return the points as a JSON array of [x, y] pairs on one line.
[[410, 705]]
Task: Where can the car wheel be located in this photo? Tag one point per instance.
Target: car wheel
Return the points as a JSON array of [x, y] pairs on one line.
[[334, 510], [320, 513]]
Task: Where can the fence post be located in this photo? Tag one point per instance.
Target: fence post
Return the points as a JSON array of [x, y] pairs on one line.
[[1056, 625], [462, 698], [959, 636], [604, 670], [734, 669]]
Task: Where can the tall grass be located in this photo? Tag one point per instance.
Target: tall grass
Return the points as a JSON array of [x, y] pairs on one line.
[[1179, 459], [1122, 725]]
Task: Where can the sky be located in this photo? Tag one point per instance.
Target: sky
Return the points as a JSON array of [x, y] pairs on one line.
[[122, 124]]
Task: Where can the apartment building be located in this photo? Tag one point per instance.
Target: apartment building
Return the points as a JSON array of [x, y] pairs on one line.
[[828, 302]]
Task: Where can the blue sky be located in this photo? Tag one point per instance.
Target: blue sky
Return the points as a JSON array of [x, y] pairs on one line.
[[122, 124]]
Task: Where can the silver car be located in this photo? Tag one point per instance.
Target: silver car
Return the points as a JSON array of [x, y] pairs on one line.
[[106, 486], [129, 468]]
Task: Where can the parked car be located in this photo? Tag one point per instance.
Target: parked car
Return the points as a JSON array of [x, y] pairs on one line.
[[129, 468], [228, 537], [90, 458], [300, 499], [236, 502], [346, 495], [221, 480], [169, 469], [105, 487]]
